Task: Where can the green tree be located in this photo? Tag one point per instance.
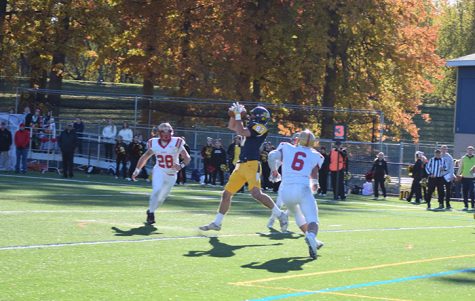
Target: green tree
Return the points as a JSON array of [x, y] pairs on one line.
[[456, 39]]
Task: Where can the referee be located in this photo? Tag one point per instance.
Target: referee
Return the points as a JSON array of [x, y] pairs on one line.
[[436, 168]]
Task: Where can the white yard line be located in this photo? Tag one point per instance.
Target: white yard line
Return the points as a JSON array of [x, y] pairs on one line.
[[106, 242]]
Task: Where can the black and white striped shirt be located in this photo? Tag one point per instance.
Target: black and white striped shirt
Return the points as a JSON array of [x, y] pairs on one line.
[[436, 167]]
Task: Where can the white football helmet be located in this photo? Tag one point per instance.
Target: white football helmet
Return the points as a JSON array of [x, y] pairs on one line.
[[306, 138], [165, 131]]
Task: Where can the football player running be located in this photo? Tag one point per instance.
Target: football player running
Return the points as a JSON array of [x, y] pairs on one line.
[[270, 222], [166, 149], [300, 164], [248, 167]]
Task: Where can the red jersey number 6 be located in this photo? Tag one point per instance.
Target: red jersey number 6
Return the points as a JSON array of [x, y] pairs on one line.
[[297, 163]]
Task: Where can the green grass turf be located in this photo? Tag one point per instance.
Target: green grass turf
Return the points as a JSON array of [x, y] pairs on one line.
[[365, 241]]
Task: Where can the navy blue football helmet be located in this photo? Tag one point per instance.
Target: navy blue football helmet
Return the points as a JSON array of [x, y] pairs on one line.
[[260, 114]]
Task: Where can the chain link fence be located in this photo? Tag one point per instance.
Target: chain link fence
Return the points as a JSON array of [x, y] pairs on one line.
[[138, 111]]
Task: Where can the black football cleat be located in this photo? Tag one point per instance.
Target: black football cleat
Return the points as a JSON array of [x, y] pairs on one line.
[[150, 218]]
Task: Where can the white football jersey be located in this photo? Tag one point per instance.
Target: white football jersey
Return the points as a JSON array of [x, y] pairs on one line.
[[167, 156], [298, 163]]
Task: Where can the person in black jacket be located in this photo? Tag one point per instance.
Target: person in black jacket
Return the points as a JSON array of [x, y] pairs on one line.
[[136, 150], [206, 153], [5, 143], [79, 129], [121, 157], [379, 170], [67, 143], [181, 175], [323, 172], [218, 157], [417, 174]]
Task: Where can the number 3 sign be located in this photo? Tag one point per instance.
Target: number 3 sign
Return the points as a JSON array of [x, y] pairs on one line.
[[339, 132]]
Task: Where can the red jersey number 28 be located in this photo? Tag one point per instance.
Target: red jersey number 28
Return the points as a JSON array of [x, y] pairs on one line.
[[165, 161], [297, 163]]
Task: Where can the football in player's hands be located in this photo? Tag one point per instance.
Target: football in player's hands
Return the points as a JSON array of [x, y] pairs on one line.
[[231, 112]]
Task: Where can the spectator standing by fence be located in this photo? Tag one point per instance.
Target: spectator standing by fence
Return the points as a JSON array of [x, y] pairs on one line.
[[181, 175], [323, 172], [120, 158], [22, 141], [417, 174], [27, 116], [108, 134], [379, 171], [266, 149], [435, 168], [126, 133], [338, 166], [467, 163], [234, 150], [218, 157], [36, 127], [206, 153], [78, 126], [5, 143], [136, 150], [448, 174], [67, 143]]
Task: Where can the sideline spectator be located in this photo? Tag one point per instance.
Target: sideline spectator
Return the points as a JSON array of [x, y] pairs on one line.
[[27, 116], [36, 126], [47, 117], [435, 168], [48, 136], [234, 150], [121, 157], [36, 119], [467, 163], [136, 150], [144, 173], [108, 133], [449, 175], [379, 171], [206, 153], [78, 126], [67, 143], [5, 143], [266, 149], [126, 133], [181, 175], [22, 141], [417, 174], [338, 166], [323, 173], [218, 157]]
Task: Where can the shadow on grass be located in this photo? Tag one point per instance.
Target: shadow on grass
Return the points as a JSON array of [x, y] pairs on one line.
[[144, 230], [280, 265], [460, 280], [277, 235], [220, 249]]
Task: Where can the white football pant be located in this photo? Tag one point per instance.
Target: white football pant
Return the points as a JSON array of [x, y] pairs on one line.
[[162, 183], [300, 201]]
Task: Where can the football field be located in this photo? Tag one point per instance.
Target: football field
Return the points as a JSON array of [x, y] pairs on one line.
[[84, 239]]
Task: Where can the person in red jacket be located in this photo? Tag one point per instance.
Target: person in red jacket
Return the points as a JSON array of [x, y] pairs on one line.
[[22, 141]]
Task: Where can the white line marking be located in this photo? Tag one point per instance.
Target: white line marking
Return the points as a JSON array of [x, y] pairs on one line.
[[64, 180], [88, 243]]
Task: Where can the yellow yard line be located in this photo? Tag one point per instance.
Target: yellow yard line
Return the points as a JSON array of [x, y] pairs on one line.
[[380, 266]]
